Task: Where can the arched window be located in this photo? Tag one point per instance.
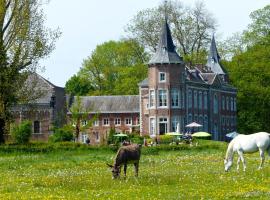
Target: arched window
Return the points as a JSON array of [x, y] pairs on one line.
[[36, 126]]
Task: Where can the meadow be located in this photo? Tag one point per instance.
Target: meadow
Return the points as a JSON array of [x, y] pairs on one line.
[[165, 173]]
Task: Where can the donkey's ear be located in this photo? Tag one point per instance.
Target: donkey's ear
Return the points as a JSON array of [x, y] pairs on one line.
[[109, 165]]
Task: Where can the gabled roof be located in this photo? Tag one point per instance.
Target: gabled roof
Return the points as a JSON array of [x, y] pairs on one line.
[[213, 61], [110, 104], [165, 52]]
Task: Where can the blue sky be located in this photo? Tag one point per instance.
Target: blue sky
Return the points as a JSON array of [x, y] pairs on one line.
[[87, 23]]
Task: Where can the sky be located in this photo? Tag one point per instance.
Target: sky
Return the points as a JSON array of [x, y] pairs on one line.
[[87, 23]]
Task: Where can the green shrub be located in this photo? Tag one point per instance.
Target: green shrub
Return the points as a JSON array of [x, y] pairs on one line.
[[64, 134], [165, 139], [136, 138], [21, 133]]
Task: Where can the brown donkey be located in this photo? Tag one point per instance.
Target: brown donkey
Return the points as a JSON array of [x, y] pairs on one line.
[[126, 155]]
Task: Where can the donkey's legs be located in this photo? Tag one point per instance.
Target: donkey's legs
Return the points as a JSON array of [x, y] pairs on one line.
[[240, 153], [238, 162], [136, 168], [125, 169], [262, 158]]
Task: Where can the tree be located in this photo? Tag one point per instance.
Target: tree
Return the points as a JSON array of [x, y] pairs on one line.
[[77, 85], [249, 71], [191, 27], [80, 114], [114, 67], [23, 42]]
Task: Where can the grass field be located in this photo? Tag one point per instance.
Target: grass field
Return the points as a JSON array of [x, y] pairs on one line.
[[82, 174]]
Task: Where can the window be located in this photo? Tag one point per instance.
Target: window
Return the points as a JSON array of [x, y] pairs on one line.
[[189, 99], [215, 104], [201, 121], [227, 103], [106, 122], [195, 99], [175, 98], [117, 121], [175, 123], [223, 103], [189, 118], [200, 100], [152, 98], [232, 104], [152, 126], [36, 126], [128, 121], [84, 122], [96, 134], [84, 137], [162, 77], [205, 100], [96, 123], [162, 98]]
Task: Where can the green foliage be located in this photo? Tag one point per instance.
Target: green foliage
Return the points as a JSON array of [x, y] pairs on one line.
[[136, 138], [113, 68], [24, 40], [111, 138], [21, 133], [64, 134], [78, 85], [165, 139], [250, 73]]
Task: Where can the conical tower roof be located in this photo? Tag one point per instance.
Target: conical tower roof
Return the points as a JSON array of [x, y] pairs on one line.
[[213, 61], [165, 52]]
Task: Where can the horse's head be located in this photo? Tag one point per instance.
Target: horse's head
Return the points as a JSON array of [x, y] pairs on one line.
[[115, 171], [227, 163]]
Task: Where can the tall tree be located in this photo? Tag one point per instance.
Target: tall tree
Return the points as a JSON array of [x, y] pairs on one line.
[[191, 27], [249, 71], [24, 40], [111, 69]]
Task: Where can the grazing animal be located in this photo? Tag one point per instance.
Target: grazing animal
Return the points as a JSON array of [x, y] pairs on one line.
[[247, 144], [126, 155]]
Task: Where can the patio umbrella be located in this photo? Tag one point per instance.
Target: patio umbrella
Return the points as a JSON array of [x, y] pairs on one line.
[[174, 134], [121, 135], [193, 124], [232, 134], [201, 134]]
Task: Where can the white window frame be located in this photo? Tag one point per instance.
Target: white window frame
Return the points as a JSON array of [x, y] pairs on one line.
[[106, 120], [159, 77], [162, 98], [175, 98], [129, 120], [117, 121], [96, 123], [151, 98], [84, 122], [162, 120]]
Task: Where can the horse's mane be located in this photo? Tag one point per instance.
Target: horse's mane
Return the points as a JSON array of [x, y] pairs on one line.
[[229, 151]]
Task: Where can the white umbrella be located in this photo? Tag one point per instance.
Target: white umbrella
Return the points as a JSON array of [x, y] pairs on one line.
[[193, 124]]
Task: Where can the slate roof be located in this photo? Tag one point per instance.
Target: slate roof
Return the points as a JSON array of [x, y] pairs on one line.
[[213, 61], [165, 52], [111, 104], [144, 83]]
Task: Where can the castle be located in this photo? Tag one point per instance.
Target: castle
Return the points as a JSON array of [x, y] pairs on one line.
[[172, 96]]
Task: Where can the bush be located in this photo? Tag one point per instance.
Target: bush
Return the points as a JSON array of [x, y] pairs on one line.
[[136, 138], [64, 134], [165, 139], [21, 133]]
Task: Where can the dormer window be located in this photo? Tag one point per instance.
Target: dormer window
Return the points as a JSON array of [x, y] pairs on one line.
[[162, 77], [212, 60]]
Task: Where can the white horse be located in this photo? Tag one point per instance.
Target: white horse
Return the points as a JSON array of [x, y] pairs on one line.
[[247, 144]]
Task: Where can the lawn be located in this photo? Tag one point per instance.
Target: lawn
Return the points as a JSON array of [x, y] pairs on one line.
[[82, 174]]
